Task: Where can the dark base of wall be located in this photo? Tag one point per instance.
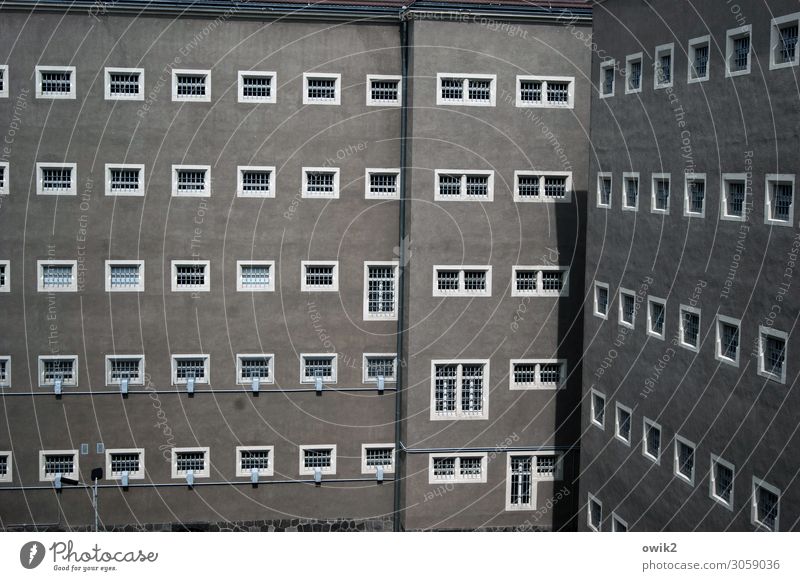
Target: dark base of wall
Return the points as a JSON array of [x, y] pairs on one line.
[[511, 529], [284, 525]]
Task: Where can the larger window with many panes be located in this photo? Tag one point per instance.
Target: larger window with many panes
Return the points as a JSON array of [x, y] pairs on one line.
[[459, 389], [523, 472], [380, 290]]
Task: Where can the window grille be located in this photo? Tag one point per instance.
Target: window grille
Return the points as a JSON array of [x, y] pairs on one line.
[[256, 181], [635, 76], [521, 480], [446, 378], [258, 459], [2, 80], [191, 85], [723, 482], [700, 61], [653, 441], [665, 69], [320, 183], [3, 371], [59, 464], [531, 91], [662, 194], [741, 53], [317, 458], [4, 465], [555, 187], [57, 275], [697, 194], [125, 275], [602, 300], [595, 513], [557, 93], [123, 84], [774, 355], [321, 367], [472, 389], [384, 90], [479, 89], [685, 459], [194, 461], [124, 180], [628, 308], [256, 87], [254, 367], [525, 373], [470, 467], [766, 507], [552, 280], [125, 462], [383, 184], [788, 43], [58, 369], [730, 341], [478, 186], [452, 89], [56, 179], [781, 201], [657, 318], [526, 280], [631, 192], [475, 280], [190, 275], [605, 191], [380, 367], [56, 82], [550, 373], [319, 275], [381, 291], [121, 369], [449, 185], [255, 275], [190, 368], [444, 467], [735, 200], [447, 280], [378, 457], [528, 186], [191, 180], [624, 424], [321, 89], [2, 168], [598, 408], [546, 465], [691, 328], [608, 81]]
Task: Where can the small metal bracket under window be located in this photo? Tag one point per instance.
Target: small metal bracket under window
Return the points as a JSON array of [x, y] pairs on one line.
[[57, 387], [123, 387], [190, 478], [190, 385], [124, 480], [254, 384], [381, 382], [317, 475], [379, 473], [318, 384], [254, 476]]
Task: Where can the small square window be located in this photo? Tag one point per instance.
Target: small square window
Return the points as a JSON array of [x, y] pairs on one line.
[[459, 389], [783, 41], [627, 308], [315, 366], [728, 340], [121, 368], [124, 275], [319, 276], [630, 192], [458, 469], [382, 183], [607, 75], [684, 459], [734, 204], [63, 368], [656, 316], [633, 73], [53, 463], [255, 181], [622, 424], [258, 458], [124, 84], [257, 87], [377, 455], [604, 190], [651, 441], [255, 275], [5, 179], [695, 195], [5, 371], [55, 82], [538, 374], [464, 185], [124, 179], [594, 513], [317, 456], [322, 89], [56, 179], [191, 181], [252, 366], [598, 409], [699, 55], [320, 182], [474, 90], [463, 281], [57, 276], [186, 367], [5, 276], [384, 90], [660, 193], [601, 300], [3, 81], [663, 66], [765, 507], [617, 524], [737, 51], [380, 291], [125, 461], [377, 365], [772, 354], [537, 91], [720, 481], [6, 466], [194, 460], [191, 85], [191, 276], [779, 200], [690, 328]]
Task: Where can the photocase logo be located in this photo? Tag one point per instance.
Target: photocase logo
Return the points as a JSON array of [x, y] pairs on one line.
[[31, 554]]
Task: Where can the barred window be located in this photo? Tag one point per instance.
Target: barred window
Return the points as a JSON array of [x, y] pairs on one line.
[[187, 368], [598, 409], [383, 90], [475, 280], [5, 371], [557, 92], [59, 369], [449, 185], [521, 481], [595, 513], [58, 464], [463, 468], [186, 461], [604, 190], [765, 500], [696, 194], [320, 277], [190, 275], [525, 373], [56, 179], [383, 185], [471, 281], [466, 91], [5, 467], [547, 466], [631, 193], [124, 84], [255, 276], [124, 462], [690, 327], [662, 194], [531, 91], [256, 87], [552, 280], [780, 201], [3, 86], [318, 366], [635, 75], [448, 280], [56, 82], [722, 480], [601, 300], [544, 92], [317, 458], [190, 86], [381, 292], [628, 308], [470, 467], [555, 186], [322, 89], [700, 61], [652, 440], [458, 390], [57, 275], [444, 467], [3, 275], [787, 45], [526, 280], [729, 341], [735, 198], [623, 424], [124, 181], [528, 186], [477, 186], [124, 368], [378, 456], [741, 53], [452, 89], [379, 366], [773, 354], [533, 374], [125, 276], [3, 188], [608, 80], [665, 69], [684, 459], [657, 313], [254, 459], [256, 182], [254, 367], [321, 183], [191, 181]]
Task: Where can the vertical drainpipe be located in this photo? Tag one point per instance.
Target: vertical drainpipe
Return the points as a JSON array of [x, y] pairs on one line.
[[398, 395]]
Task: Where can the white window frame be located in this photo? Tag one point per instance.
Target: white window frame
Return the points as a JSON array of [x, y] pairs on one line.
[[604, 66], [731, 35], [762, 332], [381, 103], [334, 367], [718, 343], [681, 342], [337, 100], [654, 192], [273, 98], [206, 287], [174, 368], [40, 276], [138, 288], [191, 99], [108, 359], [462, 196], [303, 471], [631, 176], [593, 393], [690, 51], [712, 481], [4, 91], [75, 474], [138, 475], [366, 379], [7, 381], [75, 370], [120, 70], [205, 193], [725, 182], [458, 414], [676, 460], [540, 292], [534, 482], [659, 50], [621, 306], [73, 81], [457, 478], [650, 331], [309, 289], [9, 475], [5, 188], [462, 292], [694, 177], [597, 313], [769, 180], [616, 521], [242, 381], [379, 316], [617, 433], [646, 422], [73, 186], [6, 286], [541, 198], [775, 41], [758, 482], [593, 499], [368, 195], [600, 176], [631, 58], [544, 103], [270, 287], [538, 384], [241, 169], [336, 176], [205, 473], [269, 471], [373, 469], [465, 78], [123, 166]]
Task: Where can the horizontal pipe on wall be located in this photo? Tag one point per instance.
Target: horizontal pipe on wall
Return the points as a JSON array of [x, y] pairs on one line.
[[65, 392]]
